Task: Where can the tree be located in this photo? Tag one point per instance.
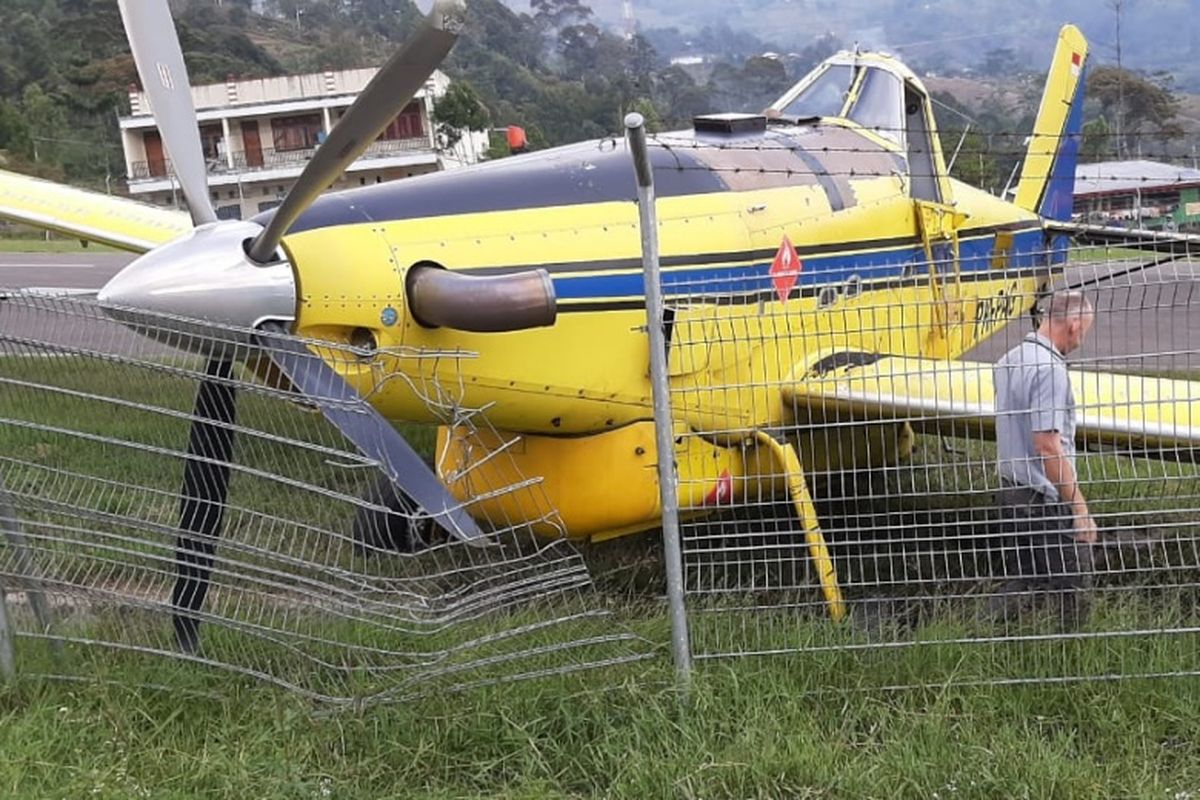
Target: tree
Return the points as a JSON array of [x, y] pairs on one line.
[[645, 107], [815, 52], [750, 88], [552, 16], [976, 162], [764, 80], [46, 120], [677, 96], [1097, 141], [341, 50], [730, 45], [1139, 106], [14, 132], [724, 89], [459, 110], [577, 45]]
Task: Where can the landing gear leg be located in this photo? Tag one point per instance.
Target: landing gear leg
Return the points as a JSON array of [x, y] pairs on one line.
[[793, 472]]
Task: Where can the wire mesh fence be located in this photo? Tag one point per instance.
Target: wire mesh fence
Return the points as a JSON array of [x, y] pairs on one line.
[[319, 576], [837, 408], [832, 328]]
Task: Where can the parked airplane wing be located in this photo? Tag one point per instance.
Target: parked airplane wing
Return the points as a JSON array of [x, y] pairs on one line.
[[1156, 414], [89, 216], [1169, 242]]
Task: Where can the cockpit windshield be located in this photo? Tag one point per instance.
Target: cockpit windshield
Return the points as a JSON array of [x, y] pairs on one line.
[[871, 96], [879, 104], [825, 96]]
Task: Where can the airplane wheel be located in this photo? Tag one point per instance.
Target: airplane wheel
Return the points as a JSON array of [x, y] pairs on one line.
[[405, 530]]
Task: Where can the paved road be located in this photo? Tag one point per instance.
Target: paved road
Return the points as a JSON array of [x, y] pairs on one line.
[[69, 323], [1147, 320], [70, 270]]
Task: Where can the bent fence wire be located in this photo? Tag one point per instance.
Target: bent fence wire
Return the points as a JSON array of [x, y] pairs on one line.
[[323, 580], [839, 476], [836, 430]]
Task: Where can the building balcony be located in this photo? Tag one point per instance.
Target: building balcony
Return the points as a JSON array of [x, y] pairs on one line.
[[247, 162]]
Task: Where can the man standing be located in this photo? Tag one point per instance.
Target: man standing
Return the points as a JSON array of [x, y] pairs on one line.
[[1047, 525]]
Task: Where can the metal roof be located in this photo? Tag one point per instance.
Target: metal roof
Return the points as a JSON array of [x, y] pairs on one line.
[[1122, 177]]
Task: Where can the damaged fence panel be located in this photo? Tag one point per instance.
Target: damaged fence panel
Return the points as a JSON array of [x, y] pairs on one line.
[[313, 572]]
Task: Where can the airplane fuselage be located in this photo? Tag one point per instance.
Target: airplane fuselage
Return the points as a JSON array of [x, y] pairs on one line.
[[866, 280]]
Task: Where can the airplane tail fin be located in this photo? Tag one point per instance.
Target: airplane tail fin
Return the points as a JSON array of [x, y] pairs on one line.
[[1047, 180]]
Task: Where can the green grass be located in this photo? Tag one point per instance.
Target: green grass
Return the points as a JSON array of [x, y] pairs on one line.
[[1105, 254], [43, 451], [815, 724], [754, 728]]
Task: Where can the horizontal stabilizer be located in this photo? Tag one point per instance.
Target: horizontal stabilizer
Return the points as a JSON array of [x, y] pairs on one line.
[[89, 216], [956, 398]]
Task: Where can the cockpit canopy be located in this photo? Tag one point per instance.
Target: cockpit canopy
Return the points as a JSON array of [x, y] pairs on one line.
[[881, 95], [868, 91]]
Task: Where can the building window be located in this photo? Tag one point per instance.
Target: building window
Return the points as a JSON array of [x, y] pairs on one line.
[[296, 133], [408, 125], [212, 142]]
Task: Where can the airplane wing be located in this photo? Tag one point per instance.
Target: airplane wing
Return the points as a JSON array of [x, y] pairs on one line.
[[1154, 415], [90, 216], [1129, 238]]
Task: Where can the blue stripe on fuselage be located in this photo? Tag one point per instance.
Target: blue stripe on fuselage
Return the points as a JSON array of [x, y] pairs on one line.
[[975, 255]]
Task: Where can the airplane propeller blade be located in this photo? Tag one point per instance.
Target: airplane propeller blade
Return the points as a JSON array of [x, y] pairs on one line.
[[202, 499], [384, 98], [205, 490], [373, 435], [159, 60]]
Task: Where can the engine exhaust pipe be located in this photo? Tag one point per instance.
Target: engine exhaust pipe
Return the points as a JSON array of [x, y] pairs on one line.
[[516, 301]]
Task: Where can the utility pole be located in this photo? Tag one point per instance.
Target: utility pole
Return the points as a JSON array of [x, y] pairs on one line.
[[1118, 6], [629, 19]]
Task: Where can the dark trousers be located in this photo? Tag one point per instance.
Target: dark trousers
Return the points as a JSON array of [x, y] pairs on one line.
[[1044, 567]]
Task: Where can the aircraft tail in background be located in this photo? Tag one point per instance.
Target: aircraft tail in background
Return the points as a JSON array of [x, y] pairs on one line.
[[1048, 176]]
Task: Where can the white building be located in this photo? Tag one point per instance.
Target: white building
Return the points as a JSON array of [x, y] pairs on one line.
[[258, 135]]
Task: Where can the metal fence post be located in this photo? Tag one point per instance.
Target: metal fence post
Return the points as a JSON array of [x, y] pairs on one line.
[[10, 526], [668, 476], [7, 663]]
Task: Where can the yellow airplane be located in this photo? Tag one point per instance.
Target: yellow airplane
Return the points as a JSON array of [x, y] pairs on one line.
[[820, 267]]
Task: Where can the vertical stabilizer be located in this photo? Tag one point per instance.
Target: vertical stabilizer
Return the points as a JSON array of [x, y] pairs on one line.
[[1048, 177]]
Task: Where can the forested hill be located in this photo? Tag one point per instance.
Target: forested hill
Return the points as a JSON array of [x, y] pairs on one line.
[[65, 69], [556, 70], [64, 73], [941, 34]]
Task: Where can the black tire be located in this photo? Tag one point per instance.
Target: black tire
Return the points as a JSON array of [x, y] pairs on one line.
[[403, 528]]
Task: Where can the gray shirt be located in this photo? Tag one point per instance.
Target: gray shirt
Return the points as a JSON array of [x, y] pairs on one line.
[[1033, 395]]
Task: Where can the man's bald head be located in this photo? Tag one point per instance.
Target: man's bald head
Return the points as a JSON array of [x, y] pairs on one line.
[[1069, 316], [1068, 303]]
